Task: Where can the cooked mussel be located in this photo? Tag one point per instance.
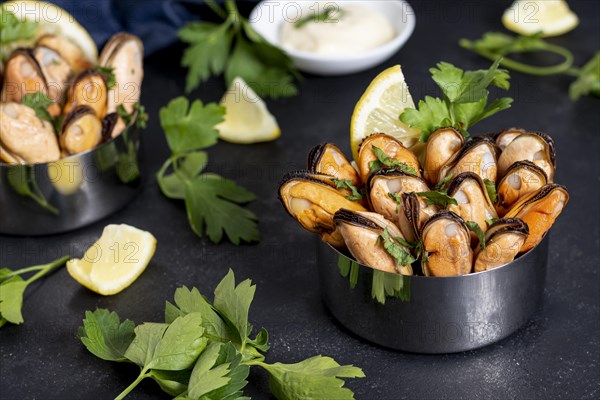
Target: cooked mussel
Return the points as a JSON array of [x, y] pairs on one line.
[[81, 130], [67, 50], [539, 210], [313, 202], [392, 148], [506, 136], [89, 89], [328, 159], [442, 145], [413, 215], [362, 232], [478, 156], [385, 189], [446, 246], [520, 179], [503, 240], [474, 203], [25, 138], [56, 70], [22, 75], [536, 147]]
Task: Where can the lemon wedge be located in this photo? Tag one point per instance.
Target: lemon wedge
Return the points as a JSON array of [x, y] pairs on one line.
[[52, 19], [115, 261], [379, 109], [247, 119], [550, 17]]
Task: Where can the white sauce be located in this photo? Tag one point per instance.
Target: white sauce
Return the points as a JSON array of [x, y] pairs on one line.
[[357, 30]]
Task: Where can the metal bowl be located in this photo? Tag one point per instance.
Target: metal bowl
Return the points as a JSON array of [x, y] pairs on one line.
[[75, 191], [432, 314]]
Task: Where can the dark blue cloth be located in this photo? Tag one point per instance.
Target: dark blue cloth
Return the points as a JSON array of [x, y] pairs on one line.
[[154, 21]]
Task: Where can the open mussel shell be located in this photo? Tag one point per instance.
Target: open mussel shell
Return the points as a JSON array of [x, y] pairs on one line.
[[385, 183], [392, 148], [124, 53], [25, 138], [474, 204], [88, 89], [503, 240], [446, 246], [67, 50], [362, 232], [56, 70], [442, 145], [478, 156], [536, 147], [328, 159], [22, 75], [413, 215], [520, 179], [81, 130], [313, 202], [539, 210], [503, 138]]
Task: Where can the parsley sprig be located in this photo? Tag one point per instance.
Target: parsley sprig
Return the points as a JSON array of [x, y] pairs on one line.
[[347, 184], [236, 49], [476, 229], [329, 14], [12, 29], [464, 102], [437, 197], [204, 350], [395, 248], [384, 161], [213, 203]]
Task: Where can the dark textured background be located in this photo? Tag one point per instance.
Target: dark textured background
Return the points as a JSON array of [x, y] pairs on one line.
[[556, 355]]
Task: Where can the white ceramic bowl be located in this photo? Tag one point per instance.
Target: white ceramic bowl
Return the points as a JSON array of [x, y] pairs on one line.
[[268, 16]]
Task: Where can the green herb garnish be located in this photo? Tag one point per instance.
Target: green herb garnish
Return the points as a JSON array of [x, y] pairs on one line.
[[397, 198], [12, 289], [109, 73], [204, 350], [12, 29], [213, 203], [440, 185], [237, 50], [476, 229], [329, 14], [39, 102], [384, 161], [464, 102], [394, 248], [436, 197], [491, 221], [347, 184], [490, 187], [588, 79], [139, 113]]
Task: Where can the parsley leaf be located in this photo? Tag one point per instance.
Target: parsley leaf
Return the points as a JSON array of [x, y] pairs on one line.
[[440, 185], [109, 73], [464, 102], [105, 336], [476, 229], [13, 288], [490, 187], [347, 184], [330, 14], [139, 113], [588, 80], [39, 102], [395, 250], [236, 49], [13, 30], [384, 161], [439, 198], [491, 221]]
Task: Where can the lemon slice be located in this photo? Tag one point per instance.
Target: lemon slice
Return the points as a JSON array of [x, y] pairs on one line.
[[379, 109], [53, 19], [115, 261], [247, 119], [550, 17]]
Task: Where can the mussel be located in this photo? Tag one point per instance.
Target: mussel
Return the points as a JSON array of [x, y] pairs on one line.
[[56, 70], [89, 89], [413, 215], [478, 156], [503, 240], [446, 246], [392, 148], [81, 130], [539, 210], [67, 50], [25, 138], [23, 75], [362, 232], [536, 147], [328, 159], [385, 189], [506, 136], [442, 145], [313, 202], [474, 203], [520, 179]]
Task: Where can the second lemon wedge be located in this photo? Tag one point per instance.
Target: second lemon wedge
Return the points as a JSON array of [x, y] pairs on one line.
[[550, 17]]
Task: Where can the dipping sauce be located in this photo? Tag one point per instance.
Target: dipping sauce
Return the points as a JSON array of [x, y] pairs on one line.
[[349, 30]]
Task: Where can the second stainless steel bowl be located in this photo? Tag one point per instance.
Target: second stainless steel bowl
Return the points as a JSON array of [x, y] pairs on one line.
[[430, 314]]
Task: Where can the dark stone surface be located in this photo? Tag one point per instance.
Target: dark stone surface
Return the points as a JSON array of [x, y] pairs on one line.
[[556, 355]]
